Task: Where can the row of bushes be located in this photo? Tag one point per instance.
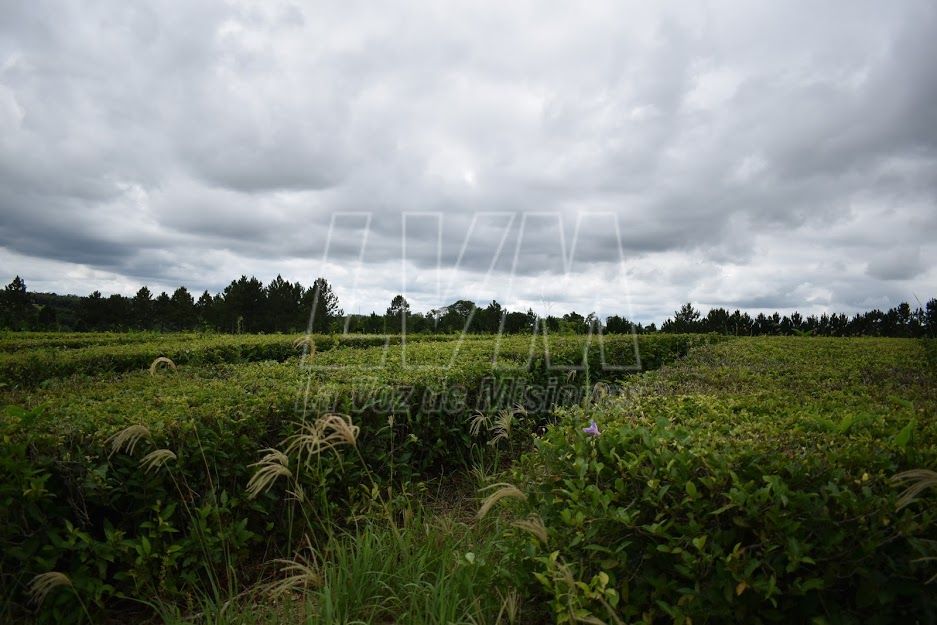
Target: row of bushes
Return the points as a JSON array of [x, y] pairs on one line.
[[163, 508], [109, 353], [751, 483], [27, 369], [21, 341], [26, 363]]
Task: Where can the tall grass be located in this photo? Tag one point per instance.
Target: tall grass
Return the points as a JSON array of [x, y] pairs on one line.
[[429, 572], [389, 567], [425, 573]]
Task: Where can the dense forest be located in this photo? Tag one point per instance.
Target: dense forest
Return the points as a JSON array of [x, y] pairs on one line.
[[248, 306]]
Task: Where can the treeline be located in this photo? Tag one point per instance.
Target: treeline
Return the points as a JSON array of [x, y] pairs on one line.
[[902, 321], [248, 306], [245, 305]]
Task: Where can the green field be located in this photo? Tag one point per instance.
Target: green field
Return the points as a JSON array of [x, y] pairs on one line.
[[734, 480]]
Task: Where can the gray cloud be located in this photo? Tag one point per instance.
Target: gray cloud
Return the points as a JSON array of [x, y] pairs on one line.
[[896, 264], [750, 156]]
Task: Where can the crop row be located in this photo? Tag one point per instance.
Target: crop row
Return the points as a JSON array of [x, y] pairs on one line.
[[23, 341], [74, 502], [752, 482], [28, 368], [27, 362]]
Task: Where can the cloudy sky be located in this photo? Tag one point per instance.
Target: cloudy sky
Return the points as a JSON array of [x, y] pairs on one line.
[[604, 156]]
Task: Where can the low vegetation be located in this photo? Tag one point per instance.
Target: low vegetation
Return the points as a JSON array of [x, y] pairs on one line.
[[327, 479]]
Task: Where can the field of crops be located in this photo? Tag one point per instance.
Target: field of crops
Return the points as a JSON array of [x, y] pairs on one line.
[[742, 480]]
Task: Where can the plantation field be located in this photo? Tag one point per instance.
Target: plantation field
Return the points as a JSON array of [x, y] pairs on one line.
[[739, 480]]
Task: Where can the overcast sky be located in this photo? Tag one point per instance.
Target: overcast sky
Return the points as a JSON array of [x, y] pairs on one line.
[[604, 156]]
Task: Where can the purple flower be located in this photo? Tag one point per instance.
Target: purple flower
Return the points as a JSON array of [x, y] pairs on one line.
[[593, 429]]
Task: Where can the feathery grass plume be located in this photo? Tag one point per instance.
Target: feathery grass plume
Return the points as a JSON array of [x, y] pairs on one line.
[[478, 421], [42, 584], [342, 428], [534, 525], [308, 345], [128, 438], [327, 432], [158, 361], [921, 479], [298, 493], [505, 421], [301, 572], [155, 459], [503, 490], [273, 465], [502, 426]]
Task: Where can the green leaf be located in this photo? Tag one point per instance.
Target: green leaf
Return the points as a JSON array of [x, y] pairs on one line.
[[904, 403], [903, 437], [722, 509], [691, 489]]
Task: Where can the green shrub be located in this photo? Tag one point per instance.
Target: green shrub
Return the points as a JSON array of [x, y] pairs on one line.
[[29, 368], [730, 491]]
